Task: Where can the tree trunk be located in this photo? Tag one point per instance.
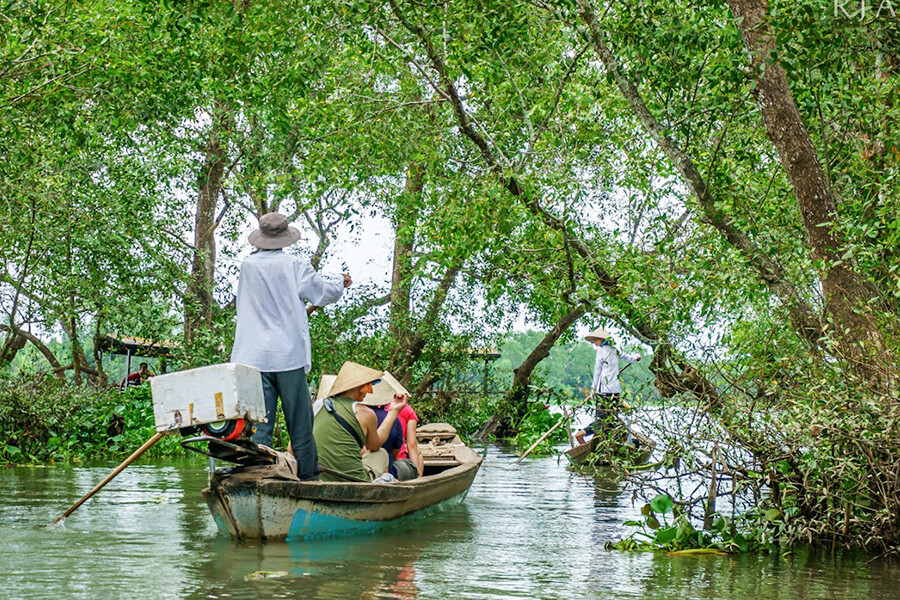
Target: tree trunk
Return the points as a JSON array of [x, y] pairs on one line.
[[77, 352], [198, 301], [405, 222], [11, 346], [102, 379], [80, 363], [408, 354], [515, 401], [802, 316], [58, 369], [848, 299]]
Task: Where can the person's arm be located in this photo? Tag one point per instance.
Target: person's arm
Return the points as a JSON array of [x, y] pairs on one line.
[[315, 289], [630, 358], [384, 430], [368, 420], [412, 447]]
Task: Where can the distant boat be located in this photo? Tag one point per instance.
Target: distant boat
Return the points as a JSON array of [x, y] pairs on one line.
[[248, 507], [636, 446]]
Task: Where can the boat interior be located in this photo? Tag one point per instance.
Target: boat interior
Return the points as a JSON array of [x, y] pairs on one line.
[[438, 444]]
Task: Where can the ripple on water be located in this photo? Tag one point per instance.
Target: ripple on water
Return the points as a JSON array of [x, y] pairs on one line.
[[532, 530]]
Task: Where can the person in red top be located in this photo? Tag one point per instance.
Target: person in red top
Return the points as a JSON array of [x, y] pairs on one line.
[[408, 461], [410, 449]]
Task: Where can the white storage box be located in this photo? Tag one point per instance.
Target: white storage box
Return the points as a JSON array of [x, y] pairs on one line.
[[207, 395]]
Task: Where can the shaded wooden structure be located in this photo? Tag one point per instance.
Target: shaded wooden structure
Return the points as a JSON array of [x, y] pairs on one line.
[[486, 354], [134, 346]]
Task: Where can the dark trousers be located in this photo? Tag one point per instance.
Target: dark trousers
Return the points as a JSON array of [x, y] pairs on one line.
[[292, 388]]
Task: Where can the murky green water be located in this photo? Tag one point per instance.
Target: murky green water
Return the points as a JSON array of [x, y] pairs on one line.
[[526, 531]]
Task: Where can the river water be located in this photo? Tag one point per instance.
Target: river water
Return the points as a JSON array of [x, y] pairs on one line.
[[533, 530]]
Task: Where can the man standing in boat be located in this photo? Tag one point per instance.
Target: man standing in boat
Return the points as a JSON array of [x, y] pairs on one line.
[[605, 386], [273, 331]]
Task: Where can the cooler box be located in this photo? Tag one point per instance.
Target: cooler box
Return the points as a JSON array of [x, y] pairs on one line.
[[207, 395]]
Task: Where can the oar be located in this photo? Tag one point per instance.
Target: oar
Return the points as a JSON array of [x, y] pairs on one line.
[[568, 431], [137, 453], [541, 439], [551, 430]]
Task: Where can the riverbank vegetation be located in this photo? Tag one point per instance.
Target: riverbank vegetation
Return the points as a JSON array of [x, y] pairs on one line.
[[717, 182]]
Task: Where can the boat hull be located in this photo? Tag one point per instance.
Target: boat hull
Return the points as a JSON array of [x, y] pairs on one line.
[[274, 509], [639, 449]]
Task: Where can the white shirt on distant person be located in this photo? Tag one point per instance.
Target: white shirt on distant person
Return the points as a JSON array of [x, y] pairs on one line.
[[272, 328], [606, 369]]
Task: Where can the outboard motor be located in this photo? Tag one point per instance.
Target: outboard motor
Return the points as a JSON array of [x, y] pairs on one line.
[[221, 402]]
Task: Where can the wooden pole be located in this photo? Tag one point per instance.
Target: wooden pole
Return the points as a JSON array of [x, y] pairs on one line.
[[137, 453], [551, 430], [541, 439], [568, 431]]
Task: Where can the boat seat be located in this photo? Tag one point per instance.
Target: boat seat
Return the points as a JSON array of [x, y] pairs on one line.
[[431, 431]]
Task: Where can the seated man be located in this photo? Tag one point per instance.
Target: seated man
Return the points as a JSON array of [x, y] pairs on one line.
[[400, 465], [343, 427], [137, 378]]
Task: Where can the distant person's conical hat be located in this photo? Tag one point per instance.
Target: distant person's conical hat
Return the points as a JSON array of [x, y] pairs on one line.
[[353, 375], [384, 390], [598, 334]]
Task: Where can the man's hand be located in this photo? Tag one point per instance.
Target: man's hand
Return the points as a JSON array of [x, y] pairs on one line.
[[347, 280], [400, 400]]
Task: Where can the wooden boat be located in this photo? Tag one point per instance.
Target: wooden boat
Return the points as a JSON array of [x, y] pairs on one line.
[[254, 507], [636, 446]]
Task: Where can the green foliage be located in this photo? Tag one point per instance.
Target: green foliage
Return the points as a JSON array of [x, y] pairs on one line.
[[43, 420], [664, 527], [536, 422], [109, 111]]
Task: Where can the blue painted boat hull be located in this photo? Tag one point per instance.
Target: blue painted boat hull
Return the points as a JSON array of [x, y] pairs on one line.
[[274, 509]]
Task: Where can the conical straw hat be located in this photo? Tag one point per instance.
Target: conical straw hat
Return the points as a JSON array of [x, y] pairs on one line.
[[384, 391], [352, 376], [325, 385], [598, 334]]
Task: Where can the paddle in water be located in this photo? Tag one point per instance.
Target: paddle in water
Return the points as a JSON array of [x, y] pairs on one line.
[[137, 453]]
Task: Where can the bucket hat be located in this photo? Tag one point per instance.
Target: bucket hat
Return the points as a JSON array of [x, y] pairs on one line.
[[274, 232], [353, 375]]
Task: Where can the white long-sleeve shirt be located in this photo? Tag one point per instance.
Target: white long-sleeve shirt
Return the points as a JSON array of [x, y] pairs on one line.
[[606, 369], [272, 329]]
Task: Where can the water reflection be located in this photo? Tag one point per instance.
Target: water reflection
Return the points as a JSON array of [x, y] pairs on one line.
[[533, 530]]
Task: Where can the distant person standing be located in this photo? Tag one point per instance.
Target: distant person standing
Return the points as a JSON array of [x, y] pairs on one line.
[[605, 382], [273, 331]]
